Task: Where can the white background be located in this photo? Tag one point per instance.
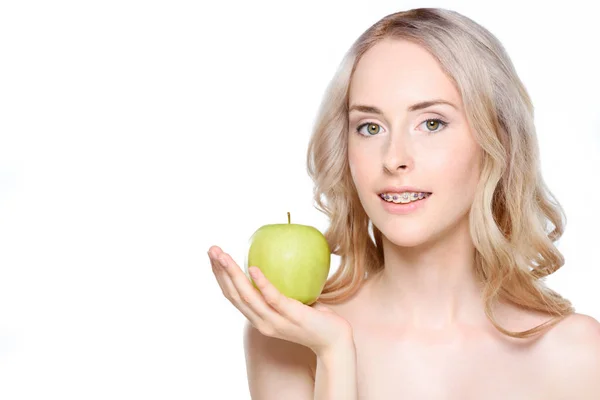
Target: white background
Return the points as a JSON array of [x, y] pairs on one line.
[[135, 135]]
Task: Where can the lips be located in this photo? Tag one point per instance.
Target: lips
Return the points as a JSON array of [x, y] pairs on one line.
[[403, 208]]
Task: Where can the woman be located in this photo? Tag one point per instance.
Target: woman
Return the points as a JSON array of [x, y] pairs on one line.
[[439, 295]]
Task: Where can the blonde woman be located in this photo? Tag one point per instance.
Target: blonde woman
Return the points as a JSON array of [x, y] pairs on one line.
[[425, 159]]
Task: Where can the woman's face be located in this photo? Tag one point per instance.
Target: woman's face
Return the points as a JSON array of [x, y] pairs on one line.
[[400, 148]]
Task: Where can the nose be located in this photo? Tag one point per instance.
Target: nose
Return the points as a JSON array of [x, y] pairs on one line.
[[397, 154]]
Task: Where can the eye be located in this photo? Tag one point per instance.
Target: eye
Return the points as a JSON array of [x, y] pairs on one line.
[[370, 128], [434, 123]]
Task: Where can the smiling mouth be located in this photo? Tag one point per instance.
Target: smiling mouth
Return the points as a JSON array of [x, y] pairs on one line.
[[404, 199]]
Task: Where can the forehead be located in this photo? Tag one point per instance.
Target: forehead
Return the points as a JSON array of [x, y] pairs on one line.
[[396, 73]]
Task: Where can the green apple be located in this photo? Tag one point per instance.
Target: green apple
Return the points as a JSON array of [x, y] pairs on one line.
[[295, 258]]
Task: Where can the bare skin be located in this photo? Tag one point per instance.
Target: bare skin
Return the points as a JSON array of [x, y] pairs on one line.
[[396, 361]]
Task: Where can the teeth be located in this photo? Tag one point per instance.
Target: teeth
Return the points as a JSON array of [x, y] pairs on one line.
[[403, 198]]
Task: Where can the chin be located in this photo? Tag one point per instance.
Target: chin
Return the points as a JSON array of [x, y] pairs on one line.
[[404, 234], [406, 240]]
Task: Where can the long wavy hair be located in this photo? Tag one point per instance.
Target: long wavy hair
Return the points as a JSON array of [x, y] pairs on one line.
[[512, 206]]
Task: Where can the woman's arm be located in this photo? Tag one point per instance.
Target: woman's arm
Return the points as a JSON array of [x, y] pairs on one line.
[[279, 369], [276, 368], [336, 372]]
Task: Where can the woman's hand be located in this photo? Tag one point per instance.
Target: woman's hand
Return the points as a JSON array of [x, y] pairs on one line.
[[274, 314]]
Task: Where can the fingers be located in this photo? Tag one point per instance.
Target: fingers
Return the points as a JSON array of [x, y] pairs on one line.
[[250, 296], [287, 307], [231, 293]]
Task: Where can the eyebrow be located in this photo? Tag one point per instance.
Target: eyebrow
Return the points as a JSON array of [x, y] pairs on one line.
[[417, 106]]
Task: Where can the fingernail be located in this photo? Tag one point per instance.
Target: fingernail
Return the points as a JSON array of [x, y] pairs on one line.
[[222, 261]]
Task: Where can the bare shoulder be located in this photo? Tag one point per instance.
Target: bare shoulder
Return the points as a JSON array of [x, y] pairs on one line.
[[574, 346], [580, 326], [576, 332], [277, 367]]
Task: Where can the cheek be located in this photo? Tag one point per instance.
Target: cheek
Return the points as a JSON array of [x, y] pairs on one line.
[[457, 166], [358, 163], [460, 182]]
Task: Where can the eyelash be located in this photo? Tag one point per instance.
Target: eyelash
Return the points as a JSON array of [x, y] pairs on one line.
[[441, 121]]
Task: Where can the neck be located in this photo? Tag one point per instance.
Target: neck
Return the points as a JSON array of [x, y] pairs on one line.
[[432, 286]]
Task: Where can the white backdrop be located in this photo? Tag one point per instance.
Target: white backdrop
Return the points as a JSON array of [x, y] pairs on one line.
[[135, 135]]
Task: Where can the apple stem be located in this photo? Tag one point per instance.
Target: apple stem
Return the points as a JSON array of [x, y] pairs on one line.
[[288, 217]]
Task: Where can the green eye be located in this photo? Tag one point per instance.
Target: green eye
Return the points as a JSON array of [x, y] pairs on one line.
[[432, 123], [372, 128]]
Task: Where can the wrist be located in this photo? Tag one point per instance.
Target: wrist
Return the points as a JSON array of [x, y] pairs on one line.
[[335, 376], [343, 347]]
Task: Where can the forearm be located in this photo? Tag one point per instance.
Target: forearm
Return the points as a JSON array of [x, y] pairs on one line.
[[336, 373]]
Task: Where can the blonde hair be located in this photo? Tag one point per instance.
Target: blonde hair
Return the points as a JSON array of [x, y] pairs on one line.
[[512, 205]]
